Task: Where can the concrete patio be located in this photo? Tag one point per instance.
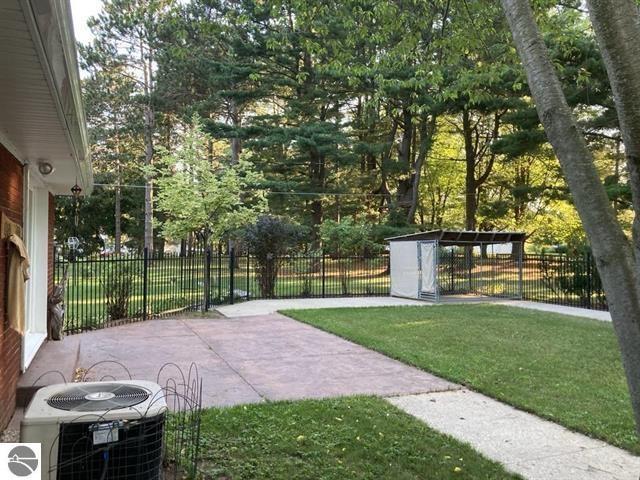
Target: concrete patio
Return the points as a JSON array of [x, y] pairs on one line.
[[241, 360]]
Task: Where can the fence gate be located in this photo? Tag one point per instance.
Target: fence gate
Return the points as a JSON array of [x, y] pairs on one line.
[[428, 262]]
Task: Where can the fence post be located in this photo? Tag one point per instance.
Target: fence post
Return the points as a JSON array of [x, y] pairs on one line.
[[207, 278], [452, 271], [248, 275], [74, 275], [232, 264], [589, 271], [219, 272], [145, 283], [520, 269], [323, 275]]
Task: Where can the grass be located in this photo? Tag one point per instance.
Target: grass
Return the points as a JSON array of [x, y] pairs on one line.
[[566, 369], [355, 438]]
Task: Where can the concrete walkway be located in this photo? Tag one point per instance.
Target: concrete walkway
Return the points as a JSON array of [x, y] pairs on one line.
[[242, 360], [525, 444], [573, 311], [265, 307]]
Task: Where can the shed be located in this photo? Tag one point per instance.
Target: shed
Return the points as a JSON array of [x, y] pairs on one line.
[[433, 264]]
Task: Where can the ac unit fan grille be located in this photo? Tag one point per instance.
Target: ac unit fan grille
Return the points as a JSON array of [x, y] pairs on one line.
[[98, 397]]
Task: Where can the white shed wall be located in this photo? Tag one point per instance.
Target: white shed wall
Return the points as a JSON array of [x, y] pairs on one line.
[[405, 271]]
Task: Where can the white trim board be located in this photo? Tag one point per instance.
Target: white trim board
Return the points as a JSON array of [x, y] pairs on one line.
[[36, 223]]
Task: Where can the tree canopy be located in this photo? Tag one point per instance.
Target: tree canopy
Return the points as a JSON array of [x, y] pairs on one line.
[[200, 195], [390, 116]]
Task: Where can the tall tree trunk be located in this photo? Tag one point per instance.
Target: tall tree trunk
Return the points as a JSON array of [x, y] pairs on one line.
[[617, 27], [471, 205], [476, 155], [403, 194], [383, 189], [612, 252], [148, 191], [358, 123], [470, 186], [236, 143], [117, 234], [148, 146], [427, 131], [117, 243], [318, 183]]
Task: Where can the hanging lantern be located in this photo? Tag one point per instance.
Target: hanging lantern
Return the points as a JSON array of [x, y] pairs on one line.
[[76, 191], [73, 241]]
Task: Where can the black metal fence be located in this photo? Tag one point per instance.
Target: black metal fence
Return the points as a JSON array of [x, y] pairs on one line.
[[552, 278], [564, 280], [110, 290], [302, 276], [491, 275]]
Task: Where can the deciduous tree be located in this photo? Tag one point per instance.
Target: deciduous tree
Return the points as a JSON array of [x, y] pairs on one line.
[[612, 251]]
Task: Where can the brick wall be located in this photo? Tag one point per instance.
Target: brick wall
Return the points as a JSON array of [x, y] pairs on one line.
[[11, 202]]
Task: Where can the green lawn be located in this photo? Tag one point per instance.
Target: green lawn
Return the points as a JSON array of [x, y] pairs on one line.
[[563, 368], [355, 438]]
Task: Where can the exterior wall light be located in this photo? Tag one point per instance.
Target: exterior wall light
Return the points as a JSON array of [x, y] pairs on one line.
[[45, 168]]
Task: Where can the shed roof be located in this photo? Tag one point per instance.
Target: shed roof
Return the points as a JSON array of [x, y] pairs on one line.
[[461, 237]]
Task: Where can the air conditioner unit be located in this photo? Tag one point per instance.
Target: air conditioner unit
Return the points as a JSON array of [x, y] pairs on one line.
[[98, 430]]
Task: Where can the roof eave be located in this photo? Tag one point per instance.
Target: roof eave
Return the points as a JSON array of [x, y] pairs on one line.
[[73, 119], [475, 237]]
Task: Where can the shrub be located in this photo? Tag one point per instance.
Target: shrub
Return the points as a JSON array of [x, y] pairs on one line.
[[269, 239], [118, 286], [347, 237], [307, 287]]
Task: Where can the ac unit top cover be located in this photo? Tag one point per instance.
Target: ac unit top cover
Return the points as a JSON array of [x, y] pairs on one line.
[[95, 401]]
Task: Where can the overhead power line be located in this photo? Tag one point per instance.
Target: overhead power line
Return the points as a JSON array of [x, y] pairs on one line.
[[269, 192]]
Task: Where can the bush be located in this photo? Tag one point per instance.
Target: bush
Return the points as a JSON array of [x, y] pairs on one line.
[[347, 238], [118, 286], [270, 239]]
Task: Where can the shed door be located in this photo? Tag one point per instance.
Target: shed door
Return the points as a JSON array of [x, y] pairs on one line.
[[427, 255]]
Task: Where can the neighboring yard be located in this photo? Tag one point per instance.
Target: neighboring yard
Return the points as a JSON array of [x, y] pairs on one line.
[[563, 368], [356, 437]]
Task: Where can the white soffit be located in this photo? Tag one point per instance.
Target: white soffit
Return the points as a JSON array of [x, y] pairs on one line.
[[41, 115]]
